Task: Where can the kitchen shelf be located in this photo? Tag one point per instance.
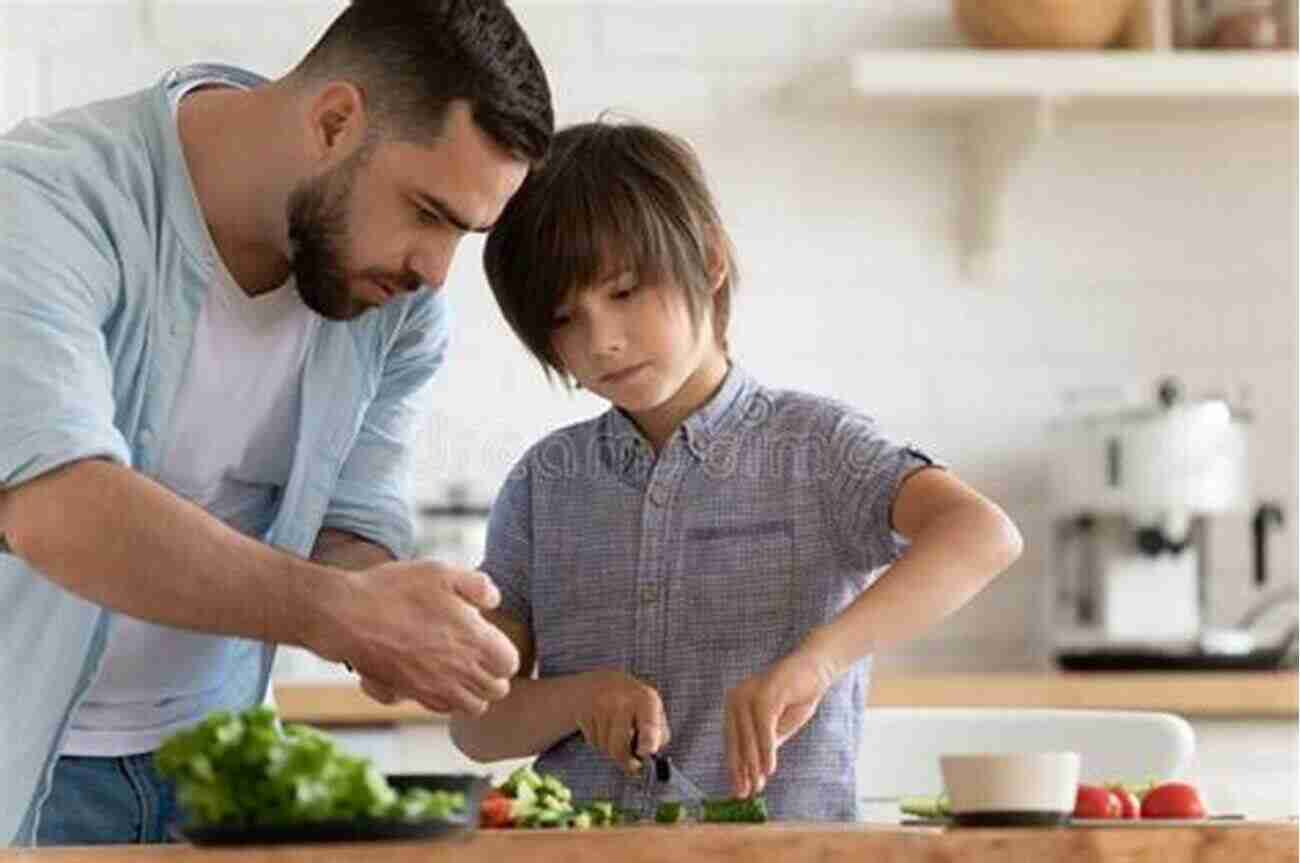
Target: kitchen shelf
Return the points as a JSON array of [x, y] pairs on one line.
[[1246, 695], [1006, 103]]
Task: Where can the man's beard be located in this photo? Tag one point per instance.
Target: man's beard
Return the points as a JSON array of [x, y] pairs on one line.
[[318, 231]]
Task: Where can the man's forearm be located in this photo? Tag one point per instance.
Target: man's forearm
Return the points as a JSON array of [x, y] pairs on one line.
[[118, 539], [535, 715], [348, 551]]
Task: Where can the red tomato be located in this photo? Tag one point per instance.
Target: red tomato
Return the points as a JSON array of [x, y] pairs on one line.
[[1129, 807], [1094, 801], [1173, 800], [495, 810]]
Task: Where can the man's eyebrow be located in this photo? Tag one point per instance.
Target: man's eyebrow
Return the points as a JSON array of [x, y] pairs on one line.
[[445, 210]]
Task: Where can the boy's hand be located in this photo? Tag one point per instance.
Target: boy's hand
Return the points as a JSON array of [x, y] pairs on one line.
[[765, 710], [616, 704]]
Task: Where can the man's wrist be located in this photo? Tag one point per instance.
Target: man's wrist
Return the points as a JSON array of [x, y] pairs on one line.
[[314, 602]]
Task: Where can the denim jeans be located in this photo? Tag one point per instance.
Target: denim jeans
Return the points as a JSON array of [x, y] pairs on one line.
[[106, 801]]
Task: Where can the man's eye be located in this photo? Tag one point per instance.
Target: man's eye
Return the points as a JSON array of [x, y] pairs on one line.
[[428, 217], [559, 321]]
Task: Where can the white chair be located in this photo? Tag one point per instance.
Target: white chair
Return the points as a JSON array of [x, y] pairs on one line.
[[901, 746]]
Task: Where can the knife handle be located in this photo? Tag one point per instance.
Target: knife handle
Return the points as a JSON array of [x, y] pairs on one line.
[[663, 767]]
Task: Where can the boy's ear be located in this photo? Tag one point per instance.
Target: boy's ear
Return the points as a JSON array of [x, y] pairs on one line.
[[717, 263]]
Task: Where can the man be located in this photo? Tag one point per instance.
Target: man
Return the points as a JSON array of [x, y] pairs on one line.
[[218, 311]]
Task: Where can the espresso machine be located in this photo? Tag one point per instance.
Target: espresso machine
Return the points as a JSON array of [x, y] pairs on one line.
[[1134, 489]]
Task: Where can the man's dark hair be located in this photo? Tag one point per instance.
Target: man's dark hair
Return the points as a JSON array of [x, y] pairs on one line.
[[412, 58], [610, 196]]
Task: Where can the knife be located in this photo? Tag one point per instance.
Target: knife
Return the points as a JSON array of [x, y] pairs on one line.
[[664, 779]]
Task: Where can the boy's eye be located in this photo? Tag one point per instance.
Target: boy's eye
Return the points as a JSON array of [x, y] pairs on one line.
[[559, 320], [625, 291], [428, 217]]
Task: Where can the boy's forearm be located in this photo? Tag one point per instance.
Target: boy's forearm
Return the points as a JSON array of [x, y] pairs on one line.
[[533, 717], [118, 539], [948, 562]]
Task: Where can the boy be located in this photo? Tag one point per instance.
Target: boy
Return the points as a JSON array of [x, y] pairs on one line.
[[689, 569]]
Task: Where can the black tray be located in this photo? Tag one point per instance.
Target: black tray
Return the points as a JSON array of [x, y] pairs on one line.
[[474, 787], [1158, 660]]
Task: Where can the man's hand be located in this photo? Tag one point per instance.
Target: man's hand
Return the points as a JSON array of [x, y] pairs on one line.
[[415, 630], [615, 704], [765, 710]]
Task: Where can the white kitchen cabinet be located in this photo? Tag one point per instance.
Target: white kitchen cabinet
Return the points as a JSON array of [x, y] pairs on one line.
[[417, 747], [1248, 765], [1242, 765]]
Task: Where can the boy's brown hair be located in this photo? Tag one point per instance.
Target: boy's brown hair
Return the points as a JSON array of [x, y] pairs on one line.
[[609, 196]]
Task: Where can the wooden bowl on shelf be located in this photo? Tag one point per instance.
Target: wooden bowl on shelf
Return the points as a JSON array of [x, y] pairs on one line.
[[1045, 24]]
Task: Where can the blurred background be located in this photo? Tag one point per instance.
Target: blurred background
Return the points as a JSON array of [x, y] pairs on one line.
[[1002, 263]]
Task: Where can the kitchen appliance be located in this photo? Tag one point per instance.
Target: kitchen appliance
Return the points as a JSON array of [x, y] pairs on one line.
[[1133, 494], [453, 532]]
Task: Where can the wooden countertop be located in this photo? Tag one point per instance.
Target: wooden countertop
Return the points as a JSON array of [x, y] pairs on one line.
[[1195, 694], [1271, 842]]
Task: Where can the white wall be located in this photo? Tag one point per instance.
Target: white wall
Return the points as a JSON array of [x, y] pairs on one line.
[[1134, 251]]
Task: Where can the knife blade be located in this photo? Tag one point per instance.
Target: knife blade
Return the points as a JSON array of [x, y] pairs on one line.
[[669, 777], [664, 779]]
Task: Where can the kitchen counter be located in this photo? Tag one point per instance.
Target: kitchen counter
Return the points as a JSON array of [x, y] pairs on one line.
[[1270, 694], [786, 843]]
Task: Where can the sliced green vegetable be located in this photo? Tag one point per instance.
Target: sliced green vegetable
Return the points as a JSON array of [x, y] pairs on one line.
[[732, 811], [670, 813], [926, 807], [544, 802], [602, 813]]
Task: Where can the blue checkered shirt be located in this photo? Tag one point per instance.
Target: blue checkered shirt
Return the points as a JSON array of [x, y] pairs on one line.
[[764, 515]]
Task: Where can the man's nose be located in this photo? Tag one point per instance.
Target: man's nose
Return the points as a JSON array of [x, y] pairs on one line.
[[431, 262]]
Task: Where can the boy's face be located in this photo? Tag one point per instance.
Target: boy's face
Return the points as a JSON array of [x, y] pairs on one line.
[[384, 222], [633, 342]]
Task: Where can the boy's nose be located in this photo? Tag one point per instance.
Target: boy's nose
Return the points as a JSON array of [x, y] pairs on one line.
[[607, 338]]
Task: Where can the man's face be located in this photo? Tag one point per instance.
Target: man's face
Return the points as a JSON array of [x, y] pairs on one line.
[[388, 218]]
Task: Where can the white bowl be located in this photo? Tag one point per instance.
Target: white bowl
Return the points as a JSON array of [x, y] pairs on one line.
[[1020, 789]]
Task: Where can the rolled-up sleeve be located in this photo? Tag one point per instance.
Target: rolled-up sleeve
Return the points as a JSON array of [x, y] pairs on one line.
[[370, 497], [507, 557], [860, 481], [57, 288]]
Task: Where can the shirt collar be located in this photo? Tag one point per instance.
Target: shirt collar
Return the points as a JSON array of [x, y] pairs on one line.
[[626, 447], [720, 412]]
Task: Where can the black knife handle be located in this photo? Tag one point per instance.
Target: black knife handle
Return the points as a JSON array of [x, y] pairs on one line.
[[663, 767]]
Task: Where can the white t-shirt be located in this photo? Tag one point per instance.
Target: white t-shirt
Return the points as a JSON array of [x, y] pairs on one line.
[[230, 445]]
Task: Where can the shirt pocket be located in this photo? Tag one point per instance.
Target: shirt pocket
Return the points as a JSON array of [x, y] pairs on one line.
[[738, 588]]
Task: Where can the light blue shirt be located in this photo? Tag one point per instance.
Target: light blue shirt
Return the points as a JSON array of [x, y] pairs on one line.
[[104, 263], [762, 518]]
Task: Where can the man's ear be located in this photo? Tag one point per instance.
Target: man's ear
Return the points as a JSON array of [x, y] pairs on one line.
[[336, 120]]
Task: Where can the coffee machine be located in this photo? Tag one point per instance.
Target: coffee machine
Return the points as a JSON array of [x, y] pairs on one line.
[[1133, 491]]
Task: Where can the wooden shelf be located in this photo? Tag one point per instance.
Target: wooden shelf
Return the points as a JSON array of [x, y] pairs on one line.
[[1005, 103], [1232, 694], [964, 82]]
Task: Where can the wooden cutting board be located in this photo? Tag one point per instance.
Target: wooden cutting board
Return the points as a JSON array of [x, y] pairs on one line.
[[1257, 842]]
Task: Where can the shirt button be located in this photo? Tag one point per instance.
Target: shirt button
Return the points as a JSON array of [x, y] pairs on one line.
[[649, 594], [658, 496]]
